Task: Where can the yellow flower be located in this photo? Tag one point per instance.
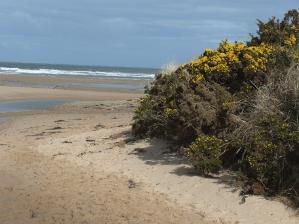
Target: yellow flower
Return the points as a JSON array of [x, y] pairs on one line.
[[290, 40], [170, 112], [197, 78], [230, 56]]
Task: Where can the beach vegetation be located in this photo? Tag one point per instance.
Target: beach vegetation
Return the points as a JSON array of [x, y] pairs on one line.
[[235, 107], [204, 154]]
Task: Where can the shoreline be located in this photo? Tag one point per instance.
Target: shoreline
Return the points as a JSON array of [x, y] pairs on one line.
[[75, 83]]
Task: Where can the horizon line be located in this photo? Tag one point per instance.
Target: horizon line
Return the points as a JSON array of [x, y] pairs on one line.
[[87, 65]]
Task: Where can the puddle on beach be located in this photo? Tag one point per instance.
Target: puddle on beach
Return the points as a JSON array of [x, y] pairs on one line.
[[19, 106]]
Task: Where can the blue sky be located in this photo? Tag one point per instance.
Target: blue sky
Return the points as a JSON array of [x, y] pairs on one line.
[[139, 33]]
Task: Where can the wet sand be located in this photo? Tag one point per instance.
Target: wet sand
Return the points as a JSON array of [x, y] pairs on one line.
[[8, 93], [74, 82]]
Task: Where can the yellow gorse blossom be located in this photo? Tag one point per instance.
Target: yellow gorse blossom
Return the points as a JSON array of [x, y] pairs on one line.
[[255, 58], [231, 57], [197, 78], [169, 112], [290, 40]]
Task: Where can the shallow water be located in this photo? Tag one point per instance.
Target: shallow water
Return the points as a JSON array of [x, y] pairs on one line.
[[19, 106]]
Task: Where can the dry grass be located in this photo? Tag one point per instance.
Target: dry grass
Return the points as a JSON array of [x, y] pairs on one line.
[[280, 96], [169, 68]]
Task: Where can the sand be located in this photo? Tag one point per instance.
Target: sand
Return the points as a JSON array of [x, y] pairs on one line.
[[74, 82], [29, 93], [78, 163]]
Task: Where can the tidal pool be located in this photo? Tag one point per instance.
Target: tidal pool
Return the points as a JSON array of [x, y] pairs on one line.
[[28, 105]]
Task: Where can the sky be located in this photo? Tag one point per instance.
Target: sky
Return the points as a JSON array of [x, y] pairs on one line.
[[131, 33]]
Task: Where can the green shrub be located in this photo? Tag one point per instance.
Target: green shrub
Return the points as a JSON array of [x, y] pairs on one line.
[[178, 109], [268, 152], [204, 154], [267, 142], [283, 32], [283, 35], [235, 107]]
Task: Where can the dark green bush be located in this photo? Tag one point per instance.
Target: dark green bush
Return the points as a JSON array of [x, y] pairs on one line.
[[268, 153], [176, 108]]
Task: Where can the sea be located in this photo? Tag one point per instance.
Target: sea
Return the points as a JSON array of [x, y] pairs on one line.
[[101, 72], [77, 70]]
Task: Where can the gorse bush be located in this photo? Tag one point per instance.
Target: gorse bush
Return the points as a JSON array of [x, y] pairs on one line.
[[178, 109], [231, 64], [268, 156], [278, 33], [205, 153], [235, 107], [271, 145], [283, 35], [269, 152]]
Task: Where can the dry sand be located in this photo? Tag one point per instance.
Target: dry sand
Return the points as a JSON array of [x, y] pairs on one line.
[[77, 163]]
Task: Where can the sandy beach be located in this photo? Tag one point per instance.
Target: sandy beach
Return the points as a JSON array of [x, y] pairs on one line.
[[78, 163], [74, 82]]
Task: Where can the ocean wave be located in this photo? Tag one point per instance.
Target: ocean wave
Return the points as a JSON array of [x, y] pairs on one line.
[[56, 72]]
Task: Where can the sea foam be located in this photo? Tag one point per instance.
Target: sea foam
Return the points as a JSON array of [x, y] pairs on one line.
[[58, 72]]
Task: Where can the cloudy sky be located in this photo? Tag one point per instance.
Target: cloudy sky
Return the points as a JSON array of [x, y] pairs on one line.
[[142, 33]]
